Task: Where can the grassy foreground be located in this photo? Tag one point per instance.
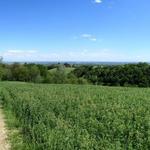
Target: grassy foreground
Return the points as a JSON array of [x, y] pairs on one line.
[[72, 117]]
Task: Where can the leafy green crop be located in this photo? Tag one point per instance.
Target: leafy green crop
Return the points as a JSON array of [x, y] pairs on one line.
[[72, 117]]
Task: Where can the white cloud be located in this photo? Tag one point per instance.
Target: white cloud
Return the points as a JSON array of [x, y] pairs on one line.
[[72, 55], [89, 37], [68, 55], [98, 1], [18, 55], [25, 52], [86, 35], [93, 39]]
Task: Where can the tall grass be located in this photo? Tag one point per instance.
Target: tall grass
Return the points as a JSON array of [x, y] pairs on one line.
[[72, 117]]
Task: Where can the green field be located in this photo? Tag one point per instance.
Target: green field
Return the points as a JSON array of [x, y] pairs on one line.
[[66, 69], [73, 117]]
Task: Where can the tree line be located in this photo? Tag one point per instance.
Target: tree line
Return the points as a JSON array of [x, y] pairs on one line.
[[116, 75], [38, 73], [110, 75]]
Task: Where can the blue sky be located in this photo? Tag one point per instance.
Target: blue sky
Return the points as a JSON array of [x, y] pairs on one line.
[[75, 30]]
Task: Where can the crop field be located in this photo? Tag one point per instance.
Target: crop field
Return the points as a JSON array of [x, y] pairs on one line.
[[79, 117]]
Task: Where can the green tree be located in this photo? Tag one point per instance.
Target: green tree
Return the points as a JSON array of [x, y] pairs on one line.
[[34, 74]]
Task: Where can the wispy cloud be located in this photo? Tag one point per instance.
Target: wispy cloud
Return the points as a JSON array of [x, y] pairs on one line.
[[18, 55], [98, 1], [89, 37], [68, 55], [25, 52], [72, 55]]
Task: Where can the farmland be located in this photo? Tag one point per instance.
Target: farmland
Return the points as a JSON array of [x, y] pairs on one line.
[[86, 117]]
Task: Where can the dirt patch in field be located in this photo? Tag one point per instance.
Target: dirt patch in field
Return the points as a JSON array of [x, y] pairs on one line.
[[4, 145]]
